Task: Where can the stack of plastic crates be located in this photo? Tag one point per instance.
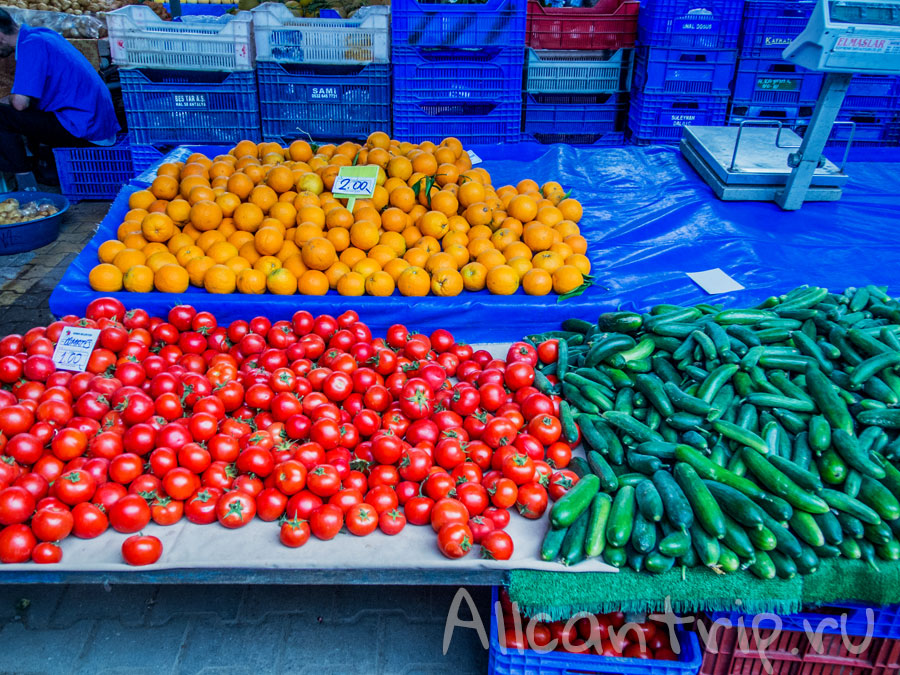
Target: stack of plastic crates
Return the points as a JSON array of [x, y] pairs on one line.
[[328, 79], [684, 66], [872, 105], [765, 85], [847, 639], [188, 81], [458, 70], [94, 172]]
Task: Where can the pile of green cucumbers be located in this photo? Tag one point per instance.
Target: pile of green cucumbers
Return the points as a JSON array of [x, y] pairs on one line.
[[761, 439]]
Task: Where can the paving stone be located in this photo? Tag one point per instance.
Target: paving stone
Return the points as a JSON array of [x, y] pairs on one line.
[[222, 603], [465, 653], [42, 651], [112, 648], [211, 647], [323, 648], [127, 605], [18, 285], [263, 603]]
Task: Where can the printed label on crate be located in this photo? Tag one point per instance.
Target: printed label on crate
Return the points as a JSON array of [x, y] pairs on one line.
[[325, 93], [869, 45], [695, 25], [74, 348], [776, 41], [777, 84], [190, 100], [678, 119]]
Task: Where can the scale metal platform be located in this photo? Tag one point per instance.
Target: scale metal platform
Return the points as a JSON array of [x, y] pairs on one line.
[[752, 163], [762, 161]]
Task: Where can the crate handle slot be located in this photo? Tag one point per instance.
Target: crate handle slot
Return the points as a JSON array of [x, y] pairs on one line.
[[437, 54], [782, 68], [693, 57], [685, 105], [184, 76], [316, 70]]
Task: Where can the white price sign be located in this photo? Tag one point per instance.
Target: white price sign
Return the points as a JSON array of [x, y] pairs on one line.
[[74, 348], [474, 158]]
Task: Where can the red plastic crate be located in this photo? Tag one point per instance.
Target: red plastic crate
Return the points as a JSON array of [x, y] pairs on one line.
[[610, 24], [737, 650]]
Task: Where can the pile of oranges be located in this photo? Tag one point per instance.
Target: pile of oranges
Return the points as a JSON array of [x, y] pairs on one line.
[[262, 219]]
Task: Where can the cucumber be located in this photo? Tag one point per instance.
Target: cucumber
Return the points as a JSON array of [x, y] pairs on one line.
[[807, 529], [619, 322], [889, 550], [552, 543], [595, 539], [645, 464], [728, 560], [850, 549], [678, 509], [643, 534], [841, 502], [762, 566], [863, 371], [706, 546], [867, 553], [675, 545], [877, 497], [572, 549], [628, 425], [706, 510], [574, 397], [832, 406], [831, 467], [652, 387], [716, 379], [830, 527], [562, 359], [741, 436], [885, 418], [848, 448], [649, 503], [601, 468], [850, 525], [780, 484], [763, 539], [615, 556], [657, 563], [785, 567], [577, 325], [827, 551], [569, 430], [802, 455], [785, 540], [621, 517], [819, 434], [590, 436], [659, 449], [764, 400], [807, 562], [635, 558], [737, 505], [743, 317], [803, 478], [879, 533], [574, 502], [737, 540], [608, 347], [579, 466], [712, 471]]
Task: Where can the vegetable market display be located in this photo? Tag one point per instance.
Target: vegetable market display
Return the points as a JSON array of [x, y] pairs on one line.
[[310, 422], [262, 219], [761, 438]]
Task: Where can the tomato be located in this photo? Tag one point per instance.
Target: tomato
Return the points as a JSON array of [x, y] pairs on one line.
[[141, 550], [69, 444], [499, 431], [140, 439], [522, 352], [361, 520], [418, 510], [448, 510], [531, 500], [325, 521], [559, 455], [46, 553], [518, 375], [503, 492], [416, 399], [166, 511], [256, 460], [467, 472], [474, 497], [108, 494], [74, 487], [15, 419], [518, 468], [129, 514], [500, 517], [16, 505], [480, 527], [52, 524], [497, 545], [636, 651], [382, 498], [16, 544], [36, 485], [126, 467], [455, 540], [346, 498], [294, 532], [24, 448], [560, 483], [90, 521], [323, 480], [180, 483], [438, 485], [270, 504], [546, 428], [248, 483], [235, 509], [449, 454]]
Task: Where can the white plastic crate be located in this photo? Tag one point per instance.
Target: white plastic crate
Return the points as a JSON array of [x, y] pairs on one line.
[[138, 38], [551, 71], [285, 38]]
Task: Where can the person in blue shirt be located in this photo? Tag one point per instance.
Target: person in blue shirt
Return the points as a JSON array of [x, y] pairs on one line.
[[57, 99]]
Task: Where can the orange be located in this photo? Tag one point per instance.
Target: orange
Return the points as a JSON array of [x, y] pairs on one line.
[[378, 139], [400, 167], [222, 251], [548, 260], [285, 213], [240, 184], [562, 248], [566, 228], [380, 197], [220, 279], [142, 199], [248, 217], [128, 227], [516, 249], [566, 279], [416, 256], [306, 231], [380, 284], [577, 243], [105, 278], [351, 284], [382, 253], [434, 224], [245, 149], [135, 240], [162, 187], [179, 210], [453, 237], [459, 253], [439, 261], [128, 258], [491, 258], [281, 180], [206, 215], [178, 241], [313, 282], [237, 264], [414, 282], [580, 262], [445, 202], [474, 275], [527, 185], [364, 211], [300, 151], [263, 196], [288, 197], [158, 206], [201, 193], [294, 264], [157, 260], [366, 266], [187, 253], [538, 237], [478, 213], [571, 209], [281, 282], [339, 238], [311, 214], [335, 272], [199, 158], [139, 279], [553, 191], [171, 279], [189, 183], [537, 282], [393, 240], [154, 247], [429, 244], [267, 264], [395, 267], [318, 254], [522, 208], [454, 144], [169, 169], [268, 240], [394, 220], [338, 217], [478, 246], [502, 280], [228, 203], [521, 264], [288, 248], [197, 269], [425, 163], [416, 213], [239, 237], [549, 215], [378, 157], [136, 214], [446, 283], [207, 239], [251, 282], [248, 250], [470, 192], [108, 250], [403, 198], [502, 238], [220, 170], [460, 224]]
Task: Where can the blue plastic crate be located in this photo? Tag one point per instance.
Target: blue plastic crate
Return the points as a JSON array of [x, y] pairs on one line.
[[452, 74], [681, 71], [503, 661], [873, 92], [198, 9], [94, 172], [658, 118], [607, 139], [874, 129], [849, 617], [766, 81], [585, 115], [771, 25], [187, 106], [472, 122], [708, 24], [784, 113], [493, 23], [326, 102], [578, 71], [143, 156]]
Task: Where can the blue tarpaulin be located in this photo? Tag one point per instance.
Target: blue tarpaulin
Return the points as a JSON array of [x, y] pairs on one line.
[[648, 219]]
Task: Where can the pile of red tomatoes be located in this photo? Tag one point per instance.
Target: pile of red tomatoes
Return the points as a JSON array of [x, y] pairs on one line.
[[309, 422]]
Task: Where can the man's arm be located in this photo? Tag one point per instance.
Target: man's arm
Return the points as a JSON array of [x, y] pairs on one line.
[[20, 102]]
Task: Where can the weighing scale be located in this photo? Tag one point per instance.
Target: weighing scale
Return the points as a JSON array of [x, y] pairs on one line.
[[761, 160]]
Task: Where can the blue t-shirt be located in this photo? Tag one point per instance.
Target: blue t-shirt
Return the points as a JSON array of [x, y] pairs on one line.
[[52, 71]]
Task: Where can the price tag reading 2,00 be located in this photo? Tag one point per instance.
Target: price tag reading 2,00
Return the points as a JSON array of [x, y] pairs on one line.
[[354, 182]]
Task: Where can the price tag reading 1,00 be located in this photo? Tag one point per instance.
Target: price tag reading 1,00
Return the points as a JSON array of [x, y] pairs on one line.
[[355, 181]]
